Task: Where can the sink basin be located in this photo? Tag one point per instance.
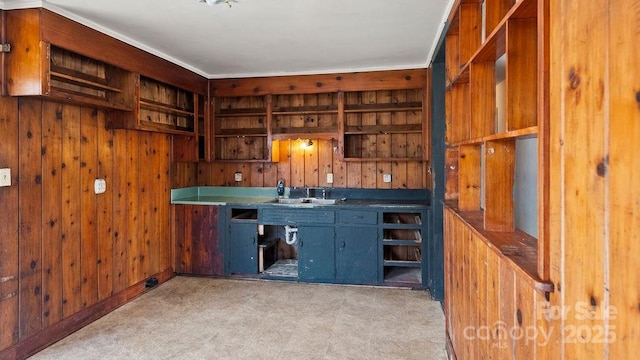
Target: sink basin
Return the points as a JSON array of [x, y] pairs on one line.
[[307, 201]]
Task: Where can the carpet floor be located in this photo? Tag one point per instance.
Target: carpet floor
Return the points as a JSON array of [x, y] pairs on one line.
[[203, 318]]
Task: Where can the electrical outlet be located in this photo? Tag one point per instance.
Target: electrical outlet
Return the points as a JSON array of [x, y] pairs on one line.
[[5, 177], [329, 178], [238, 176], [99, 186], [386, 178]]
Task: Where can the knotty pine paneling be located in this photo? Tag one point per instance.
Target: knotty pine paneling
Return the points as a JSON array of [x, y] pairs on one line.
[[9, 224], [306, 167], [64, 248]]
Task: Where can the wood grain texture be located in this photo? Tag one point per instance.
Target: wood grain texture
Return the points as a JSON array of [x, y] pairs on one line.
[[582, 72], [52, 213], [624, 137], [30, 219], [307, 84], [499, 180], [88, 228], [9, 261], [469, 177], [521, 78]]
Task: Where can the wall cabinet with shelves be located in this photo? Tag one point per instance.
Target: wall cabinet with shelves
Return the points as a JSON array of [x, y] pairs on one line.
[[402, 246], [305, 116], [240, 127], [383, 125], [384, 109], [38, 68], [495, 64]]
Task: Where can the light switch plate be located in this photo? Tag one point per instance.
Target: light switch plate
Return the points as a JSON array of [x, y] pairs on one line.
[[100, 186], [5, 177], [238, 176], [329, 178], [386, 178]]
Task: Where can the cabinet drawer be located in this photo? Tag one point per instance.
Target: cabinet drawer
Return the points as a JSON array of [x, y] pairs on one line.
[[358, 217], [296, 216]]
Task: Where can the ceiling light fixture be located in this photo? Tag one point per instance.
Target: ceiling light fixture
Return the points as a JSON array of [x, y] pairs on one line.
[[215, 2]]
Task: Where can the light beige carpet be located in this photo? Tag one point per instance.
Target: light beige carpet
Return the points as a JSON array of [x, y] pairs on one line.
[[203, 318]]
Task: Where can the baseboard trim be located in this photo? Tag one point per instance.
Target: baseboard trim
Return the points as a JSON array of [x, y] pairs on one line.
[[49, 335]]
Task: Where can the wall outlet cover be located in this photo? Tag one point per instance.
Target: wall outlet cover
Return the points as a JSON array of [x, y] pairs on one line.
[[386, 178], [237, 176], [5, 177], [99, 186], [329, 178]]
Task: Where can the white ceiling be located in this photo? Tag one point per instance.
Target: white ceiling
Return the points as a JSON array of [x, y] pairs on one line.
[[268, 37]]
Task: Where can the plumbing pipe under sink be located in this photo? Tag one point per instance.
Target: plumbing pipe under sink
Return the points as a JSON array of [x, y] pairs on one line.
[[290, 234]]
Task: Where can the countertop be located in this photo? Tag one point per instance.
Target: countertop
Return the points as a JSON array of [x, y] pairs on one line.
[[251, 196]]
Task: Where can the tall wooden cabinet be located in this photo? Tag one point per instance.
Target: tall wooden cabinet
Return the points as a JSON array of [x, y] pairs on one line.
[[496, 64]]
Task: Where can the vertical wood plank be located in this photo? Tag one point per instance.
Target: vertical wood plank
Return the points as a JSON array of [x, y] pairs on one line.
[[71, 211], [52, 213], [147, 161], [582, 70], [325, 161], [339, 167], [9, 273], [521, 77], [120, 213], [623, 261], [30, 215], [297, 164], [311, 163], [369, 175], [105, 210], [507, 311], [133, 214], [483, 99], [88, 231], [161, 209], [499, 180], [469, 177]]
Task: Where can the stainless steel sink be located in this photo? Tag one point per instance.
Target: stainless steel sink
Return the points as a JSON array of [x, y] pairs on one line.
[[316, 201]]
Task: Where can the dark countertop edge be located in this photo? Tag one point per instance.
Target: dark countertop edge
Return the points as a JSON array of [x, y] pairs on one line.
[[271, 203]]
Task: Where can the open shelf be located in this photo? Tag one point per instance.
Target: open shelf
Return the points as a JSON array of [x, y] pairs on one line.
[[77, 78], [383, 125], [519, 247]]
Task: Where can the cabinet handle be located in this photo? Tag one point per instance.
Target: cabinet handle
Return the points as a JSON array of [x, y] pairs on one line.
[[344, 244], [254, 240]]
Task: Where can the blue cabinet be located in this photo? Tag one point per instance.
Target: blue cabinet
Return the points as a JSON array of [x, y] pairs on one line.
[[356, 246], [356, 251], [242, 240], [316, 259]]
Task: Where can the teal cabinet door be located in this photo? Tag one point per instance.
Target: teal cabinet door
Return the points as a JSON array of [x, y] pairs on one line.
[[243, 248], [316, 261], [356, 254]]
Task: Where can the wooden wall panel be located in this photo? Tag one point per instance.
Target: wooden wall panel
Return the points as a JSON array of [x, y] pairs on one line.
[[65, 248], [51, 213], [623, 163], [9, 272], [71, 210], [88, 228], [120, 215], [104, 220], [30, 218]]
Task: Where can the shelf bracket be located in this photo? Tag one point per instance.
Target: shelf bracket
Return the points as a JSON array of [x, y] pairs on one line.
[[5, 48]]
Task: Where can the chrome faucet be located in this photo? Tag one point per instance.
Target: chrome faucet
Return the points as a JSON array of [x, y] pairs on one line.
[[308, 190], [324, 193]]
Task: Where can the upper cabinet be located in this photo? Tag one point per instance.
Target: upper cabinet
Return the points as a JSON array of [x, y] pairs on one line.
[[35, 67], [373, 116], [383, 125], [61, 60]]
